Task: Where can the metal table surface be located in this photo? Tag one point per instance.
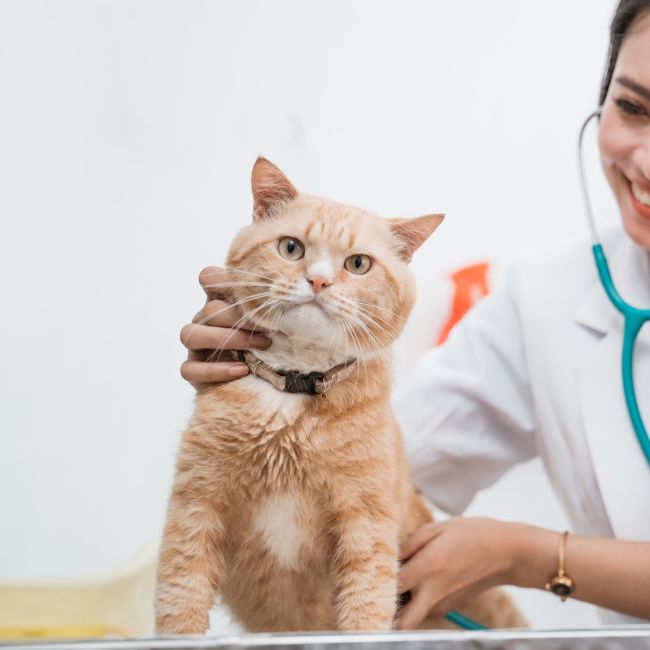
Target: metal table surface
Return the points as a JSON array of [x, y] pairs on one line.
[[624, 638]]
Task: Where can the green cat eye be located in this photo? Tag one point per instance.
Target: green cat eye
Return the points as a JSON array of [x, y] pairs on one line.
[[291, 248], [358, 264]]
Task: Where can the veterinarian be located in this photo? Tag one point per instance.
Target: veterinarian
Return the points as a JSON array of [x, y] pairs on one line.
[[535, 370]]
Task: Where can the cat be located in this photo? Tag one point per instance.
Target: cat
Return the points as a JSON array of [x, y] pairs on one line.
[[290, 506]]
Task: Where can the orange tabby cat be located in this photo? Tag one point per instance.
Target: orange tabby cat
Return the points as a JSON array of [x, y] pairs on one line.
[[291, 506]]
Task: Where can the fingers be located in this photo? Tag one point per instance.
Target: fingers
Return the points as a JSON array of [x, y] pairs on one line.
[[413, 573], [207, 337], [414, 612], [419, 538], [222, 314], [201, 372], [211, 331], [210, 277]]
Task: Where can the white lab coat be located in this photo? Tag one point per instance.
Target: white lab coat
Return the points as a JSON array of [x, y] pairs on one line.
[[534, 369]]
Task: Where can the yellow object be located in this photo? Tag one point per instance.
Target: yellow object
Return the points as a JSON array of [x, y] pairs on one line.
[[114, 603]]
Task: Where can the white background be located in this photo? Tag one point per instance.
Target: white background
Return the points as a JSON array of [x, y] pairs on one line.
[[127, 134]]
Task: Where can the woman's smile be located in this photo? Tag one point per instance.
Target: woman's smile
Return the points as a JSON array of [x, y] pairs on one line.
[[640, 198]]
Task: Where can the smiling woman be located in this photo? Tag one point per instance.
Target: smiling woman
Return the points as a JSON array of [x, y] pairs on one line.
[[530, 405]]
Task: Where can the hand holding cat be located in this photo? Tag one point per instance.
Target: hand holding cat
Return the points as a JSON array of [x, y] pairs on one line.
[[218, 326], [448, 562]]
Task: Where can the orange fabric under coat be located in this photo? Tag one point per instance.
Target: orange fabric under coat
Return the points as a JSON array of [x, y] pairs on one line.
[[470, 285]]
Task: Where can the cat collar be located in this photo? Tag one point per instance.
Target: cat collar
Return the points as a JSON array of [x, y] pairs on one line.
[[292, 381]]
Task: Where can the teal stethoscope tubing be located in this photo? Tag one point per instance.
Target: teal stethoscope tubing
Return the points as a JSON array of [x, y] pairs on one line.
[[464, 622], [634, 318]]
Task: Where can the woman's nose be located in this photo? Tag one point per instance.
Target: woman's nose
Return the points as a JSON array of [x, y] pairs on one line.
[[641, 158]]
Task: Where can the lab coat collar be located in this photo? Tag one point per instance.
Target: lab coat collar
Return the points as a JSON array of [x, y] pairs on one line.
[[629, 265], [621, 469]]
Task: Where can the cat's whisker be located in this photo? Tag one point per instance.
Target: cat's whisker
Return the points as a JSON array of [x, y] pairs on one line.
[[275, 268], [346, 329], [382, 330], [372, 318], [236, 269], [236, 283], [347, 312], [234, 328], [230, 305], [378, 349], [345, 337], [249, 315], [278, 316], [210, 316], [277, 281], [376, 306], [359, 355], [359, 305]]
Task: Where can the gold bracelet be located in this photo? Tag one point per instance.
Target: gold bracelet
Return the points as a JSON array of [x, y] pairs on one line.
[[561, 584]]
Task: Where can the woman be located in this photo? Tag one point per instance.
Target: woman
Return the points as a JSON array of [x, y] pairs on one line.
[[534, 370]]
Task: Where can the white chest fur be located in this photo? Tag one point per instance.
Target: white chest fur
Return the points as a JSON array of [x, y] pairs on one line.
[[279, 521], [270, 401]]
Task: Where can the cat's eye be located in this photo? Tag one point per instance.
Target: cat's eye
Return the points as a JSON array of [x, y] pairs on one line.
[[290, 248], [358, 264]]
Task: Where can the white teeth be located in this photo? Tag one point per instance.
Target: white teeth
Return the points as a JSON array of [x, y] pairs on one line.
[[640, 195]]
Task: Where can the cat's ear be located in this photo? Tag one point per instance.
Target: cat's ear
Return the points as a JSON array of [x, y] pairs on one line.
[[412, 233], [271, 188]]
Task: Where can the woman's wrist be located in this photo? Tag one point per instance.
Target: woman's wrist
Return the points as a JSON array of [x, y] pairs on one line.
[[534, 555]]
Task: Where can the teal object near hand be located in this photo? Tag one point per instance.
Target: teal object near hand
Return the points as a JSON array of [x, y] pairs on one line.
[[464, 622]]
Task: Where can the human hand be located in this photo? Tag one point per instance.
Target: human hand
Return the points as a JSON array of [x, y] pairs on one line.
[[218, 326], [448, 562]]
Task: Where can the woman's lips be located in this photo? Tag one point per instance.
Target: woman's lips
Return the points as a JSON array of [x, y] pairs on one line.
[[640, 199]]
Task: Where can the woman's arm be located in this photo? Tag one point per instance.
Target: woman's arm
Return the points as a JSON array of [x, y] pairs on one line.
[[611, 573], [451, 561], [466, 411]]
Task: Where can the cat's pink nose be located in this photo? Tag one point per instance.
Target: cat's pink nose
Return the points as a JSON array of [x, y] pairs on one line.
[[318, 282]]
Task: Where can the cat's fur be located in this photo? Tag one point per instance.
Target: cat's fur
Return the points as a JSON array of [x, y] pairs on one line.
[[291, 507]]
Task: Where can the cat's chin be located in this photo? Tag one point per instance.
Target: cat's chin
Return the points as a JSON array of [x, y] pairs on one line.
[[306, 344], [308, 321], [307, 337]]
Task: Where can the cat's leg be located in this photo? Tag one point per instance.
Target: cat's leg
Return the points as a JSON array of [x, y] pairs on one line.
[[191, 562], [365, 571]]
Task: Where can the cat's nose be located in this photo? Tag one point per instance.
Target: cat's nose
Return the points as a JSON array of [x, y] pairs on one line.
[[318, 282]]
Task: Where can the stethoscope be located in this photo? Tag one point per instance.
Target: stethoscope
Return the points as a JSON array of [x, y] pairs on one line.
[[634, 318]]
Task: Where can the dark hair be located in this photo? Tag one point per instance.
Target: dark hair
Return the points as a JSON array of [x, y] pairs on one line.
[[626, 13]]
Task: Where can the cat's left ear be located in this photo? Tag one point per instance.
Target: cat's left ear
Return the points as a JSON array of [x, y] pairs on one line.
[[271, 188], [412, 233]]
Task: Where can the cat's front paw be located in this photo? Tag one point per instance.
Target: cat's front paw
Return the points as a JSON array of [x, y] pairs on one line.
[[185, 624], [367, 620]]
